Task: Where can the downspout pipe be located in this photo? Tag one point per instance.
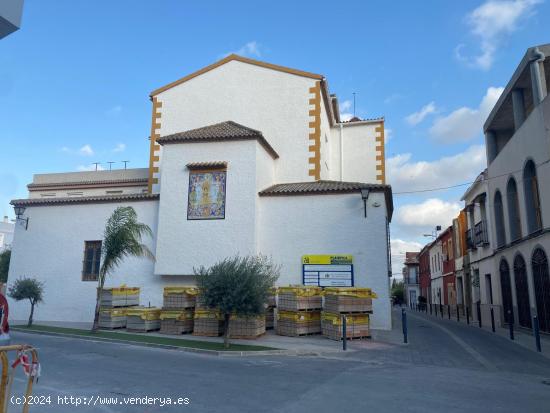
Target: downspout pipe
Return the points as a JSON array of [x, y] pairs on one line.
[[341, 152], [537, 57]]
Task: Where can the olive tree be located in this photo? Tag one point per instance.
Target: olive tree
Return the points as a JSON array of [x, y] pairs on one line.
[[4, 265], [237, 285], [27, 289]]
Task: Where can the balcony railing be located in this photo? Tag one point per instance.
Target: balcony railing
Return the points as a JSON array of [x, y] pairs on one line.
[[470, 244], [481, 237]]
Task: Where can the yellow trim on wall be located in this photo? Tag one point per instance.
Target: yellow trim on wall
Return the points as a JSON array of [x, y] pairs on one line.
[[380, 153], [240, 59], [314, 161], [154, 147]]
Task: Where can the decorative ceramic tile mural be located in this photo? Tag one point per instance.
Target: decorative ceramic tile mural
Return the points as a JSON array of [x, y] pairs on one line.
[[206, 195]]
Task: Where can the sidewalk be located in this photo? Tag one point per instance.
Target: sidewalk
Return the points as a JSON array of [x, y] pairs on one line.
[[522, 337], [314, 344]]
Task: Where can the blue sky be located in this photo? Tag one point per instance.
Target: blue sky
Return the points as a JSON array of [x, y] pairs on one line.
[[74, 81]]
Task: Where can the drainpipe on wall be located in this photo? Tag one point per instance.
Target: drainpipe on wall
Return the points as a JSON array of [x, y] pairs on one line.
[[341, 152], [537, 58]]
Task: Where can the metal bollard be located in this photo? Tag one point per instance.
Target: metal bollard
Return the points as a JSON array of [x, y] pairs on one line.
[[457, 314], [344, 333], [449, 311], [430, 308], [467, 315], [492, 320], [511, 324], [441, 310], [536, 331], [479, 312], [404, 323]]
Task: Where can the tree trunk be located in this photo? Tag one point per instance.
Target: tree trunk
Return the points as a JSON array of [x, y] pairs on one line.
[[32, 313], [226, 330], [101, 283]]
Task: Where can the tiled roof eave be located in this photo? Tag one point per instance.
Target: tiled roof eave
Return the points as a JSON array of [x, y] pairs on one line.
[[83, 199]]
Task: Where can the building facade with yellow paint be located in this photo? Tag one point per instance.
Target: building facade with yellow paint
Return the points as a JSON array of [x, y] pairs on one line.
[[246, 157]]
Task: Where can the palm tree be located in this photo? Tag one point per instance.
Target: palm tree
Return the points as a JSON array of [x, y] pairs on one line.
[[121, 238]]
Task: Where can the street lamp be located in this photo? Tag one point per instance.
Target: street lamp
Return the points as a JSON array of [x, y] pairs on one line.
[[19, 211], [364, 197]]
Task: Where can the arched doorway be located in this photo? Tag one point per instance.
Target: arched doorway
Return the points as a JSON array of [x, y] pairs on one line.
[[522, 292], [506, 288], [541, 280]]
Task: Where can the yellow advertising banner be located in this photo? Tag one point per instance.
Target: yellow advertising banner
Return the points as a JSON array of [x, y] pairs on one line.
[[327, 259]]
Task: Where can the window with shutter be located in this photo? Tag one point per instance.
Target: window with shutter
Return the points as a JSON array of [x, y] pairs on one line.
[[92, 260]]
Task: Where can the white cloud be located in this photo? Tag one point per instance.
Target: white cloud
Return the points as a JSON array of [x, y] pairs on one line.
[[345, 106], [417, 117], [404, 174], [393, 98], [465, 123], [115, 110], [398, 249], [388, 134], [252, 48], [86, 150], [121, 147], [428, 214], [65, 149], [491, 22], [92, 167]]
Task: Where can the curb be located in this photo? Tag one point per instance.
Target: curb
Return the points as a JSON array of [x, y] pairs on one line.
[[177, 348]]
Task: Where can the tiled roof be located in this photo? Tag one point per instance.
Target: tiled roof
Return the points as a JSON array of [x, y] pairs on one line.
[[228, 130], [83, 199], [411, 257], [129, 182], [207, 165], [328, 187]]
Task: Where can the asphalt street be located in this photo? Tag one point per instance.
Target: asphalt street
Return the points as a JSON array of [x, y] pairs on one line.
[[446, 367]]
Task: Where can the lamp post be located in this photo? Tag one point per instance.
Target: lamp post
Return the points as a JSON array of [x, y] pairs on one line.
[[19, 211], [365, 196]]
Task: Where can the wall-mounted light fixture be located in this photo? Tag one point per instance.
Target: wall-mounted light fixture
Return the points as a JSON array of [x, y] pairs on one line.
[[365, 196], [19, 211]]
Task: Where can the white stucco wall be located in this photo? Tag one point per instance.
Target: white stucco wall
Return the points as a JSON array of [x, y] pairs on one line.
[[273, 102], [359, 142], [292, 226], [184, 244], [52, 251]]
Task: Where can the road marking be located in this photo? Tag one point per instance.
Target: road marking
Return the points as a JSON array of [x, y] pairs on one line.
[[469, 349]]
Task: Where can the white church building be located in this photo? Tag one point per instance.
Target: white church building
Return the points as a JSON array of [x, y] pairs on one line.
[[246, 157]]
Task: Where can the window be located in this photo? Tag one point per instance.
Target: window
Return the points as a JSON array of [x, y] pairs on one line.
[[513, 210], [499, 220], [532, 199], [206, 194], [92, 260]]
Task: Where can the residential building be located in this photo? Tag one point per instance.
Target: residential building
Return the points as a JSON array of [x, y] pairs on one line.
[[6, 234], [411, 278], [10, 16], [424, 273], [246, 158], [518, 177], [461, 255], [436, 272], [448, 271]]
